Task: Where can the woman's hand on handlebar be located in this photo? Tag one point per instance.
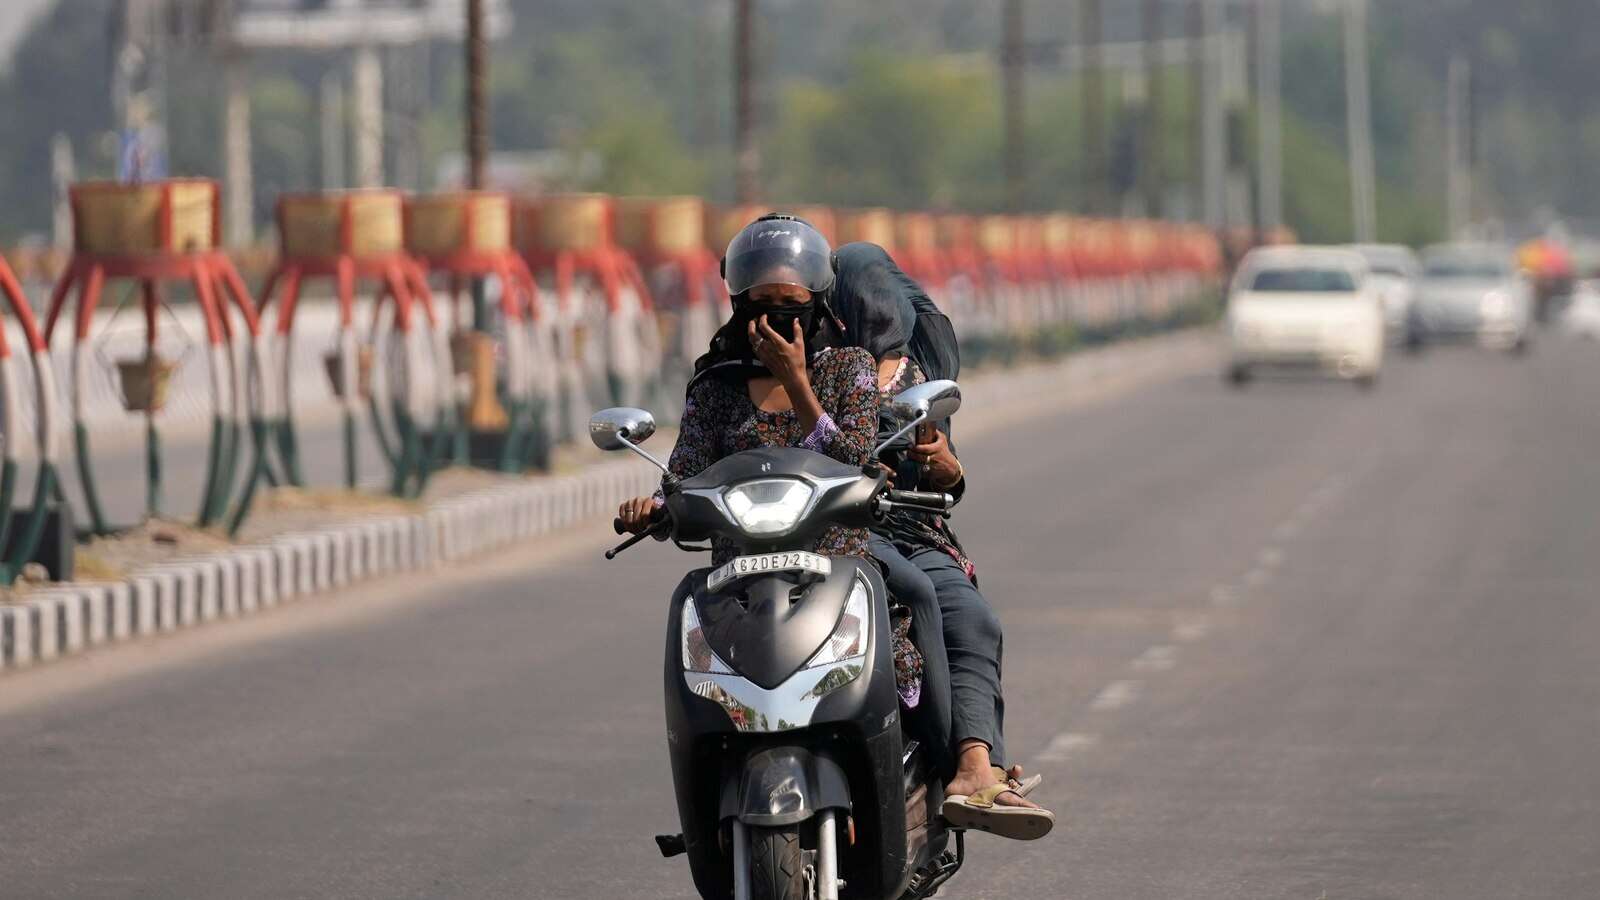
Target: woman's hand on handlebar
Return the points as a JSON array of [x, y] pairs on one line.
[[638, 514]]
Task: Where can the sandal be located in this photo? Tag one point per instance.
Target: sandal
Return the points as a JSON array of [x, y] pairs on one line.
[[1024, 787], [979, 812]]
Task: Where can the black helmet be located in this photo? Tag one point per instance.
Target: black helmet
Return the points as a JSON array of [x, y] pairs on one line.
[[778, 249]]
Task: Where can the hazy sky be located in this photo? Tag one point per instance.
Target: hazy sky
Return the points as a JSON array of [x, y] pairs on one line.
[[14, 17]]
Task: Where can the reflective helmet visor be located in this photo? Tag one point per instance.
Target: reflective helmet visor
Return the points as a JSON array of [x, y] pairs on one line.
[[778, 251]]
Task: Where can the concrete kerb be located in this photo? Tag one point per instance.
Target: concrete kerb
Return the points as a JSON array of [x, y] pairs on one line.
[[70, 619], [75, 618]]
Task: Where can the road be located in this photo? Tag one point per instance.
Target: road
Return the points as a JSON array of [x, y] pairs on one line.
[[1295, 641]]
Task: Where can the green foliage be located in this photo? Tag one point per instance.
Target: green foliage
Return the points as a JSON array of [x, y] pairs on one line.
[[894, 134], [891, 102]]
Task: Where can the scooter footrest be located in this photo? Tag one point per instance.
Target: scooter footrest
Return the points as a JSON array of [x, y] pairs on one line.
[[671, 845]]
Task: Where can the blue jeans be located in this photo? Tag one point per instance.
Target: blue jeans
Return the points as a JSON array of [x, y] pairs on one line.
[[972, 643], [929, 722]]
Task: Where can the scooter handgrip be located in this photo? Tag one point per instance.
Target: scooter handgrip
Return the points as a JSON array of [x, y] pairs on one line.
[[932, 500], [617, 525]]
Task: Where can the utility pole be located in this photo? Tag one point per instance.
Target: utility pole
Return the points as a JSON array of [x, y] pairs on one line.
[[1013, 62], [1213, 126], [1094, 106], [477, 136], [1458, 175], [1269, 106], [477, 95], [1358, 106], [1197, 105], [1154, 111], [367, 90], [747, 156], [237, 164], [62, 173], [332, 128]]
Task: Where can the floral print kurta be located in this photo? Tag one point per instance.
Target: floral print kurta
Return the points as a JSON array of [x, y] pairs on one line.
[[719, 419]]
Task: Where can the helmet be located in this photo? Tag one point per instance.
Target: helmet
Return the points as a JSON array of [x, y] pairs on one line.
[[778, 249]]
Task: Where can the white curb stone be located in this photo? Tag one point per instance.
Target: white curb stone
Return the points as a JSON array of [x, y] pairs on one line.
[[119, 611], [46, 628], [16, 635], [146, 606]]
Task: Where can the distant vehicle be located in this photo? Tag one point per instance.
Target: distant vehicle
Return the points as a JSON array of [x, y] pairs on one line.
[[1582, 315], [1472, 292], [1394, 272], [1305, 307]]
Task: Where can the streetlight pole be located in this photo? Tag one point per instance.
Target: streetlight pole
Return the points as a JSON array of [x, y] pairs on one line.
[[477, 132], [1094, 106], [1358, 106], [477, 99], [1458, 172], [1154, 112], [1269, 99], [747, 156], [1016, 161], [1213, 125]]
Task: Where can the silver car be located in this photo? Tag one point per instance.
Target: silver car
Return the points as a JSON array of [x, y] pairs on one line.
[[1393, 272], [1472, 292]]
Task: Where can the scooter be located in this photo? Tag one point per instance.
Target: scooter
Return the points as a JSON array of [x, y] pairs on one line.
[[795, 779]]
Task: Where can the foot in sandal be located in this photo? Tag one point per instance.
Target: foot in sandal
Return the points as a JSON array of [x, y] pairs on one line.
[[983, 797]]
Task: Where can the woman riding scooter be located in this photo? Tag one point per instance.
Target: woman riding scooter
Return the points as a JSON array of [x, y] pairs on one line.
[[780, 373], [925, 564], [777, 374]]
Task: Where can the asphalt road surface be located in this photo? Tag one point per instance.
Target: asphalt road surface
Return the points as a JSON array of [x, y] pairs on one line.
[[1297, 641]]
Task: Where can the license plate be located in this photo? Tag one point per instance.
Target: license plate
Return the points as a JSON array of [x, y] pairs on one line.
[[763, 563]]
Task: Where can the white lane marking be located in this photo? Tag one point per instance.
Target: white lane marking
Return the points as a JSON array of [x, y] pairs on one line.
[[1065, 745], [1116, 695], [1159, 658], [1225, 596], [1270, 558], [1256, 577], [1287, 530], [1191, 631]]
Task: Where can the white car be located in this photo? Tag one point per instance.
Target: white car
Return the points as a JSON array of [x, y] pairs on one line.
[[1305, 307], [1394, 272], [1582, 315]]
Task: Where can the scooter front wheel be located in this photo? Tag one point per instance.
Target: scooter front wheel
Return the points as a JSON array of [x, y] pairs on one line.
[[777, 866]]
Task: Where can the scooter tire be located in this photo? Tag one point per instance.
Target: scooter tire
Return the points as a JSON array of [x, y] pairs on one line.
[[777, 866]]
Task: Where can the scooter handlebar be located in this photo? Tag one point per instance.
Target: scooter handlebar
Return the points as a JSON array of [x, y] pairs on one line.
[[930, 501]]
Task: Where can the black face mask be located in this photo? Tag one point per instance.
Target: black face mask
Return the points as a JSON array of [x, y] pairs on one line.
[[781, 318]]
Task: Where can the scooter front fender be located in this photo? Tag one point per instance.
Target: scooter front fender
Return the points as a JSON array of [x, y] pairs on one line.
[[782, 786]]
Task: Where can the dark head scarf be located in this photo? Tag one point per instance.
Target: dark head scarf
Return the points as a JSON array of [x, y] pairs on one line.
[[884, 311]]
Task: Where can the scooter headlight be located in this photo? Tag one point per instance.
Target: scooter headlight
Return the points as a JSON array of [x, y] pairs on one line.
[[697, 654], [768, 507]]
